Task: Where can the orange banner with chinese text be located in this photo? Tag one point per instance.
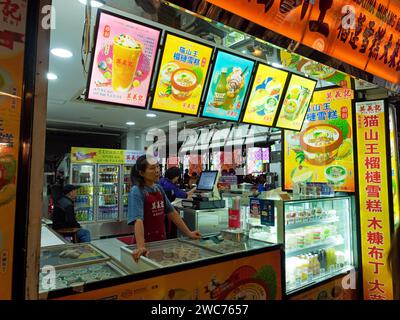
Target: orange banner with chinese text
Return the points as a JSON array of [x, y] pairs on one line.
[[374, 199], [12, 46]]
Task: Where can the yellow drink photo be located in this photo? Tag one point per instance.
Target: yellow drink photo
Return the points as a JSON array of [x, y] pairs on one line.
[[126, 56]]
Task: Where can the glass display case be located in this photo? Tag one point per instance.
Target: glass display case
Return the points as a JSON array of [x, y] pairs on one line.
[[71, 276], [75, 265], [163, 254], [125, 192], [108, 187], [84, 177], [319, 239], [63, 255]]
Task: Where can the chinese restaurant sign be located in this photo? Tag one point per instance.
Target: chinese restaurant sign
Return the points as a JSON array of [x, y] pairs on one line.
[[228, 88], [363, 33], [12, 45], [374, 199], [255, 277], [104, 156], [323, 150], [123, 61], [295, 103], [266, 96], [182, 75]]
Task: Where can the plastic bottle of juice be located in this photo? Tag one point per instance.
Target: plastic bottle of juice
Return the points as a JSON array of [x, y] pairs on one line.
[[220, 90]]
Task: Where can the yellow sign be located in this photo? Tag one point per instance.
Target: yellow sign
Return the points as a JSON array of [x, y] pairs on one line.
[[266, 96], [295, 103], [323, 150], [12, 45], [394, 151], [374, 199], [100, 156], [182, 75], [256, 277]]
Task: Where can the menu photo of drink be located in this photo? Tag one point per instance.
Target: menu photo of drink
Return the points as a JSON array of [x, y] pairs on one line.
[[228, 87], [295, 103], [182, 75], [123, 61], [265, 95]]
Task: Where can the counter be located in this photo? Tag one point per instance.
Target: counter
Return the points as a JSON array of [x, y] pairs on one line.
[[177, 269]]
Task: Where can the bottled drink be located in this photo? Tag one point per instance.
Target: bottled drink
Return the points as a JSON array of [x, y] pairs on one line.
[[220, 90]]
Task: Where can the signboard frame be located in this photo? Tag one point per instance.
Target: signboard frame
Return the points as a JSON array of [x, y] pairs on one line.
[[157, 70], [90, 72]]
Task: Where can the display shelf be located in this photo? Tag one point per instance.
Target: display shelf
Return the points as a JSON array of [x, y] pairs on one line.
[[310, 224], [108, 182], [83, 207], [84, 195], [297, 286], [83, 183], [316, 247], [108, 205], [108, 194]]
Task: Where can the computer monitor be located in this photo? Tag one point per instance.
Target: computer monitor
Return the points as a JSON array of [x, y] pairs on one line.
[[207, 181]]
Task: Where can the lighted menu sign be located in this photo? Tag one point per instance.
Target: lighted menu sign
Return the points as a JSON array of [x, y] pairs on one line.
[[123, 61], [182, 74], [228, 87], [265, 95], [323, 150], [295, 104], [375, 212]]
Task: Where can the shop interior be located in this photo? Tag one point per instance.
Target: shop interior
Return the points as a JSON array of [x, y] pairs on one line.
[[254, 185]]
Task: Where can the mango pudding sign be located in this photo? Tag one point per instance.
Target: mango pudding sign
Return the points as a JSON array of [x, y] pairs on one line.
[[323, 150]]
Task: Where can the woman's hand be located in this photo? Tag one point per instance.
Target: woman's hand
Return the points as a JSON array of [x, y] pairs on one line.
[[194, 235], [138, 253]]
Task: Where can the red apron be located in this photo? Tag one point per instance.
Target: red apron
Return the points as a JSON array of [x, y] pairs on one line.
[[154, 216]]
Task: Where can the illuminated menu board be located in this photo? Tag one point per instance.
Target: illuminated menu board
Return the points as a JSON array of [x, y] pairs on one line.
[[123, 61], [182, 75], [265, 95], [295, 104], [228, 87], [323, 150]]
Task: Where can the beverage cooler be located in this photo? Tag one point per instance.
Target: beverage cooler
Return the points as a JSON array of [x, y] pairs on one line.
[[126, 178], [320, 240], [102, 202], [84, 175], [108, 186]]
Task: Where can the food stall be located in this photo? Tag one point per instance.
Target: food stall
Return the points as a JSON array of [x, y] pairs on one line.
[[310, 238]]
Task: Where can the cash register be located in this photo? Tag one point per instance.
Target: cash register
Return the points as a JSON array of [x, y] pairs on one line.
[[207, 195]]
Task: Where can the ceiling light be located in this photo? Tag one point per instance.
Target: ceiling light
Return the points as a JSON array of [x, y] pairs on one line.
[[94, 3], [62, 53], [151, 115], [130, 123], [137, 137], [52, 76]]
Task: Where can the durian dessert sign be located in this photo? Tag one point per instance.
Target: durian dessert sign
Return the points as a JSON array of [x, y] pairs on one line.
[[323, 150]]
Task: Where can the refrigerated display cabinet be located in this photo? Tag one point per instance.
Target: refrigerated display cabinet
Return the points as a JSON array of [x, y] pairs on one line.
[[319, 239], [127, 185], [83, 175], [108, 192], [74, 275]]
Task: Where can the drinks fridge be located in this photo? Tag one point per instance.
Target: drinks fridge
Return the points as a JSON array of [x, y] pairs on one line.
[[126, 189], [83, 175], [108, 192]]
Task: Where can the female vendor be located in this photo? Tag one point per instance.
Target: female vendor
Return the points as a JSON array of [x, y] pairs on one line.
[[148, 205], [169, 184]]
